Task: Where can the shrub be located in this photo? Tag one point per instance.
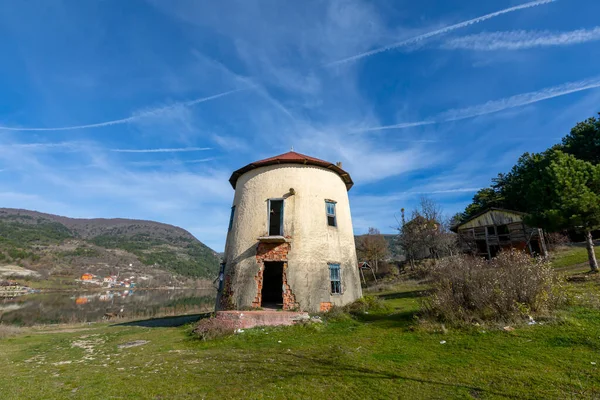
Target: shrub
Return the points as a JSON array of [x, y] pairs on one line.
[[9, 330], [384, 270], [556, 240], [213, 328], [366, 304], [423, 269], [510, 286]]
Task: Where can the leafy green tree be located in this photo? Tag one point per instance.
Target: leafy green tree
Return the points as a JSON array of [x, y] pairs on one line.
[[485, 198], [584, 141], [481, 200], [523, 178], [560, 192], [456, 219]]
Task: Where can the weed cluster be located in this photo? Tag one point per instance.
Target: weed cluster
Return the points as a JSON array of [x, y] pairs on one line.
[[213, 328], [364, 305], [9, 330], [508, 287]]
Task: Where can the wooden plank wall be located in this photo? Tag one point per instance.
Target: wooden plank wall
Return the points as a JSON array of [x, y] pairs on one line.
[[518, 236]]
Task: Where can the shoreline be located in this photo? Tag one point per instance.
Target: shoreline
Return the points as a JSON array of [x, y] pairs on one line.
[[94, 290]]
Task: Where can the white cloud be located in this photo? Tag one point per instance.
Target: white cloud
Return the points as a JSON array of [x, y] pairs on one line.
[[422, 37], [518, 40]]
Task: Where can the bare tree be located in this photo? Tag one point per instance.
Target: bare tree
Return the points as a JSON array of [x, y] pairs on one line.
[[447, 241], [409, 238], [372, 247], [427, 234]]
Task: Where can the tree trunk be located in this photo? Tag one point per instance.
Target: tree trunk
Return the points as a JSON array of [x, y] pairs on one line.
[[589, 244]]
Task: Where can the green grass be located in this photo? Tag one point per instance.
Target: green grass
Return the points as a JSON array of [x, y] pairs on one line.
[[572, 256], [377, 356]]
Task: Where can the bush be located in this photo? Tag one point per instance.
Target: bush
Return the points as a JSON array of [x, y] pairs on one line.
[[510, 286], [556, 240], [366, 304], [213, 328], [385, 270], [9, 330]]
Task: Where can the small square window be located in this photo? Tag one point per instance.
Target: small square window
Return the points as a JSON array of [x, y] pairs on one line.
[[491, 230], [335, 278], [330, 210]]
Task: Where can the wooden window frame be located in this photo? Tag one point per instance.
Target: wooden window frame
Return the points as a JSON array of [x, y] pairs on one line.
[[269, 216], [338, 287], [329, 215]]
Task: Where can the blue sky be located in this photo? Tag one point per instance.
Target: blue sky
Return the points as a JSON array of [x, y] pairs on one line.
[[142, 109]]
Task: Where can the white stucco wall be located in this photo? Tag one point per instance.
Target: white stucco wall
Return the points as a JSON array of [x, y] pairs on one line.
[[314, 244]]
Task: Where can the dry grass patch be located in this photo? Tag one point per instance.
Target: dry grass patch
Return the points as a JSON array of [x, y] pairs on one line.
[[9, 330]]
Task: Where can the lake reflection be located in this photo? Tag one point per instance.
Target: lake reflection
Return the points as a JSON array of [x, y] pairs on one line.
[[52, 308]]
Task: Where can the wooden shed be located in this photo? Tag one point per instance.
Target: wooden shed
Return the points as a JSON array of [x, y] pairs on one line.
[[495, 229]]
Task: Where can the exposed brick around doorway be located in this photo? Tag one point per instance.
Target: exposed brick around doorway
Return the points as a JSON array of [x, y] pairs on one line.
[[273, 252]]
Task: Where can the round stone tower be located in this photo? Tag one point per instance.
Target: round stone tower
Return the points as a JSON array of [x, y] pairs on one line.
[[290, 243]]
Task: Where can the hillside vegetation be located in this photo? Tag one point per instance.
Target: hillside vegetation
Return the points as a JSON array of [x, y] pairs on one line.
[[58, 246]]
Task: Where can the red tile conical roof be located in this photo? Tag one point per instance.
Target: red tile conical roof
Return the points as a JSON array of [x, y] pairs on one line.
[[292, 157]]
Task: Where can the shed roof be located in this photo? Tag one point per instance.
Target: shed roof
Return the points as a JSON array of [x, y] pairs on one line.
[[492, 210], [292, 157]]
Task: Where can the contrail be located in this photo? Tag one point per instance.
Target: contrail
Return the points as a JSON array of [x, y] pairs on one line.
[[169, 162], [165, 150], [517, 40], [459, 190], [156, 111], [42, 146], [499, 105], [441, 31]]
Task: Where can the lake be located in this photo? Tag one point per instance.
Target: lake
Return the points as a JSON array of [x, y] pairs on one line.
[[68, 307]]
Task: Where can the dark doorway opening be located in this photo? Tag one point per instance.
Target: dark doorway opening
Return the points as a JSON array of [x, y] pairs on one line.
[[275, 217], [481, 246], [272, 287], [535, 248], [494, 250]]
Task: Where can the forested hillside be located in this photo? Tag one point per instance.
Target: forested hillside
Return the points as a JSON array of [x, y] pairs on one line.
[[54, 245]]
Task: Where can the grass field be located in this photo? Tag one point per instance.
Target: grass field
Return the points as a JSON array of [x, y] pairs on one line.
[[573, 256], [378, 356]]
